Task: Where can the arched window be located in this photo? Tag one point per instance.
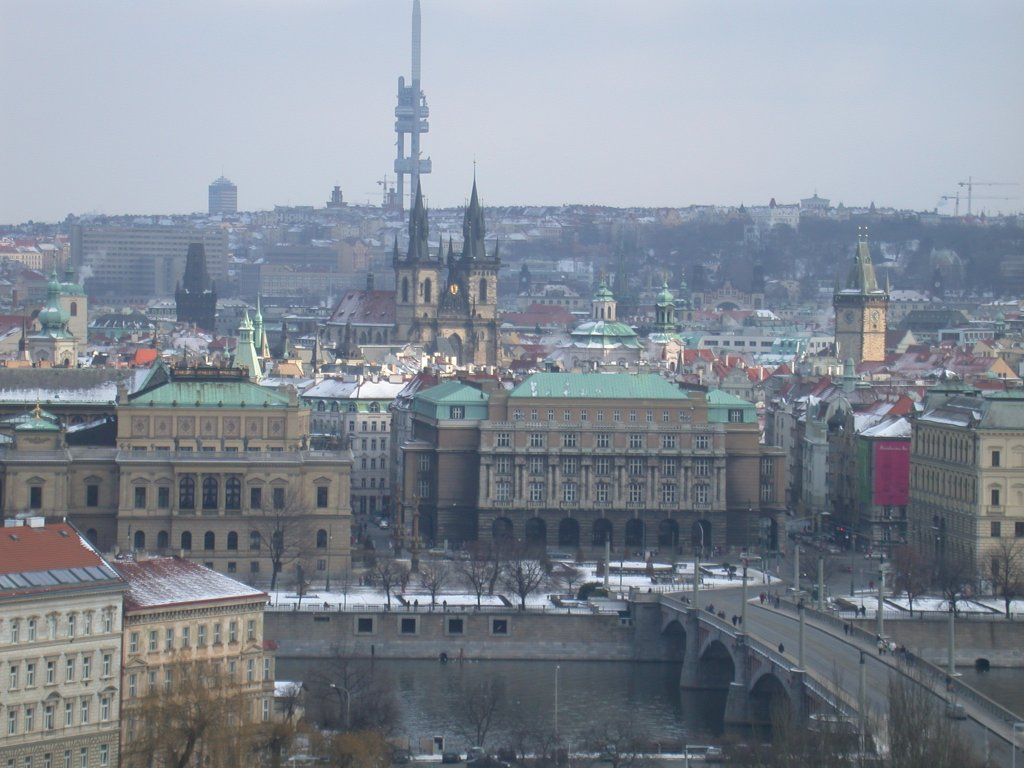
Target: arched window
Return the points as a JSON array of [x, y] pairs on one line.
[[374, 407], [74, 309], [187, 492], [428, 291], [210, 492], [483, 290], [334, 407], [232, 540], [321, 539], [405, 290], [233, 493], [351, 407], [209, 541], [186, 541], [254, 541], [321, 406], [161, 540], [140, 540]]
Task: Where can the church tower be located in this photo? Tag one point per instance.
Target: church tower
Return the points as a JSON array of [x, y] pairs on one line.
[[860, 305], [196, 297], [416, 275], [665, 310]]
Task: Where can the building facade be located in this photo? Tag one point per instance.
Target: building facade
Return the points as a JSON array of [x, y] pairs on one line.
[[575, 460], [967, 477], [182, 620], [223, 197], [60, 641], [205, 463]]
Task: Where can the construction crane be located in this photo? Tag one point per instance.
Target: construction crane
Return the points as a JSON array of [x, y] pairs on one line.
[[945, 198], [971, 183]]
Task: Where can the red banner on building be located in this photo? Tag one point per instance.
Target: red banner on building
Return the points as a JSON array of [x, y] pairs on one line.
[[892, 473]]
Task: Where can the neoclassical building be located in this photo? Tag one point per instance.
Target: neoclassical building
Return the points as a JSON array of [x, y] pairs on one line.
[[576, 460], [446, 301], [206, 464]]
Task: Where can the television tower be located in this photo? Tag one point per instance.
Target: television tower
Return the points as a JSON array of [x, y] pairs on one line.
[[411, 118]]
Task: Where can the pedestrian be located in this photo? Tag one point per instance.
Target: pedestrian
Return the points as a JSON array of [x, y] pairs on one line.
[[846, 629], [881, 648], [782, 648], [734, 619], [761, 597]]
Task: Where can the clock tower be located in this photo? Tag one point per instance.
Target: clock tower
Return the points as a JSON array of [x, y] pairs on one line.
[[860, 305]]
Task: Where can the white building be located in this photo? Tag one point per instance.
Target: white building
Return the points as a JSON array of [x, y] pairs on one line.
[[60, 642]]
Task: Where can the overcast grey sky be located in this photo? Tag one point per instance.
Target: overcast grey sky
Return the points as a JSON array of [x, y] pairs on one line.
[[135, 107]]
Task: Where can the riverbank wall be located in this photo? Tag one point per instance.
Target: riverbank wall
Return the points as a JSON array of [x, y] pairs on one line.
[[509, 635], [996, 640]]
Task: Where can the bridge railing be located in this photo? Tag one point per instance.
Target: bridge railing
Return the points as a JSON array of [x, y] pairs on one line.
[[914, 667]]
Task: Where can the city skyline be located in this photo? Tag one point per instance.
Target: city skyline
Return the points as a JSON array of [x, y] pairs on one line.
[[662, 104]]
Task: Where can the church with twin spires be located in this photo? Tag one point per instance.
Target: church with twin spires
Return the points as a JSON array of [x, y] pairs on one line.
[[444, 300]]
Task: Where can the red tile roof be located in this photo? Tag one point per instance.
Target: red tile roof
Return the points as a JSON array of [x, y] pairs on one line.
[[165, 581], [53, 546]]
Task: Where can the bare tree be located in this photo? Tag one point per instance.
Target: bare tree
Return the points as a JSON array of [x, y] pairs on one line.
[[912, 573], [480, 703], [434, 576], [349, 693], [920, 736], [568, 576], [284, 532], [1007, 571], [482, 569], [620, 742], [388, 574], [199, 714], [953, 576], [522, 573]]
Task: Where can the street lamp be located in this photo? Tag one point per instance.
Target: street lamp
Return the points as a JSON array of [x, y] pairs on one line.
[[340, 689], [557, 668], [1016, 727]]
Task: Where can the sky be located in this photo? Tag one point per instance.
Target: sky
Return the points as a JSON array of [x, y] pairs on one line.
[[128, 107]]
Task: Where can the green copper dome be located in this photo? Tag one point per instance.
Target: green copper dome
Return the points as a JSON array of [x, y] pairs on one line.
[[53, 317], [604, 294], [665, 296]]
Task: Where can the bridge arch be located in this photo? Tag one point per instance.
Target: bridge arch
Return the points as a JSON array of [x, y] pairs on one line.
[[717, 667], [770, 700], [674, 637]]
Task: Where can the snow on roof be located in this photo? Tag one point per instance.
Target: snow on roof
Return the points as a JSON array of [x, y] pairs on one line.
[[166, 581]]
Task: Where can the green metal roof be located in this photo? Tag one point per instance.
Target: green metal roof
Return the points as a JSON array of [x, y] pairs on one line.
[[720, 403], [610, 386], [453, 392], [212, 394]]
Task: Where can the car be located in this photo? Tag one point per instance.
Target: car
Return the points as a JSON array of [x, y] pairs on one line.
[[450, 758], [383, 525]]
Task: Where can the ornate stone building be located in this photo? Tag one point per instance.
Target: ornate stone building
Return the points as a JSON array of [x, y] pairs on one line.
[[206, 463], [860, 306], [574, 460], [446, 301]]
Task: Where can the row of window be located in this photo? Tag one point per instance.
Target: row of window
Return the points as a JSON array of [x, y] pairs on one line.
[[23, 719], [154, 684], [632, 415], [350, 407], [49, 761], [602, 466], [88, 624], [410, 625], [256, 540], [374, 463], [72, 666], [636, 493], [637, 440], [172, 639]]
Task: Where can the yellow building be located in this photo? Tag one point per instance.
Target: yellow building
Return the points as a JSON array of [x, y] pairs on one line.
[[206, 464], [967, 477], [181, 621]]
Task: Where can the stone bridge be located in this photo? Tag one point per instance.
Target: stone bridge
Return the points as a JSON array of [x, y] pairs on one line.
[[718, 656]]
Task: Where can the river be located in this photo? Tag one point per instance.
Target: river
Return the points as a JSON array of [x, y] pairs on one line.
[[1005, 686], [590, 696]]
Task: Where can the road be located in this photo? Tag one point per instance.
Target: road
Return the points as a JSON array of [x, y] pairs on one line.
[[835, 657]]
